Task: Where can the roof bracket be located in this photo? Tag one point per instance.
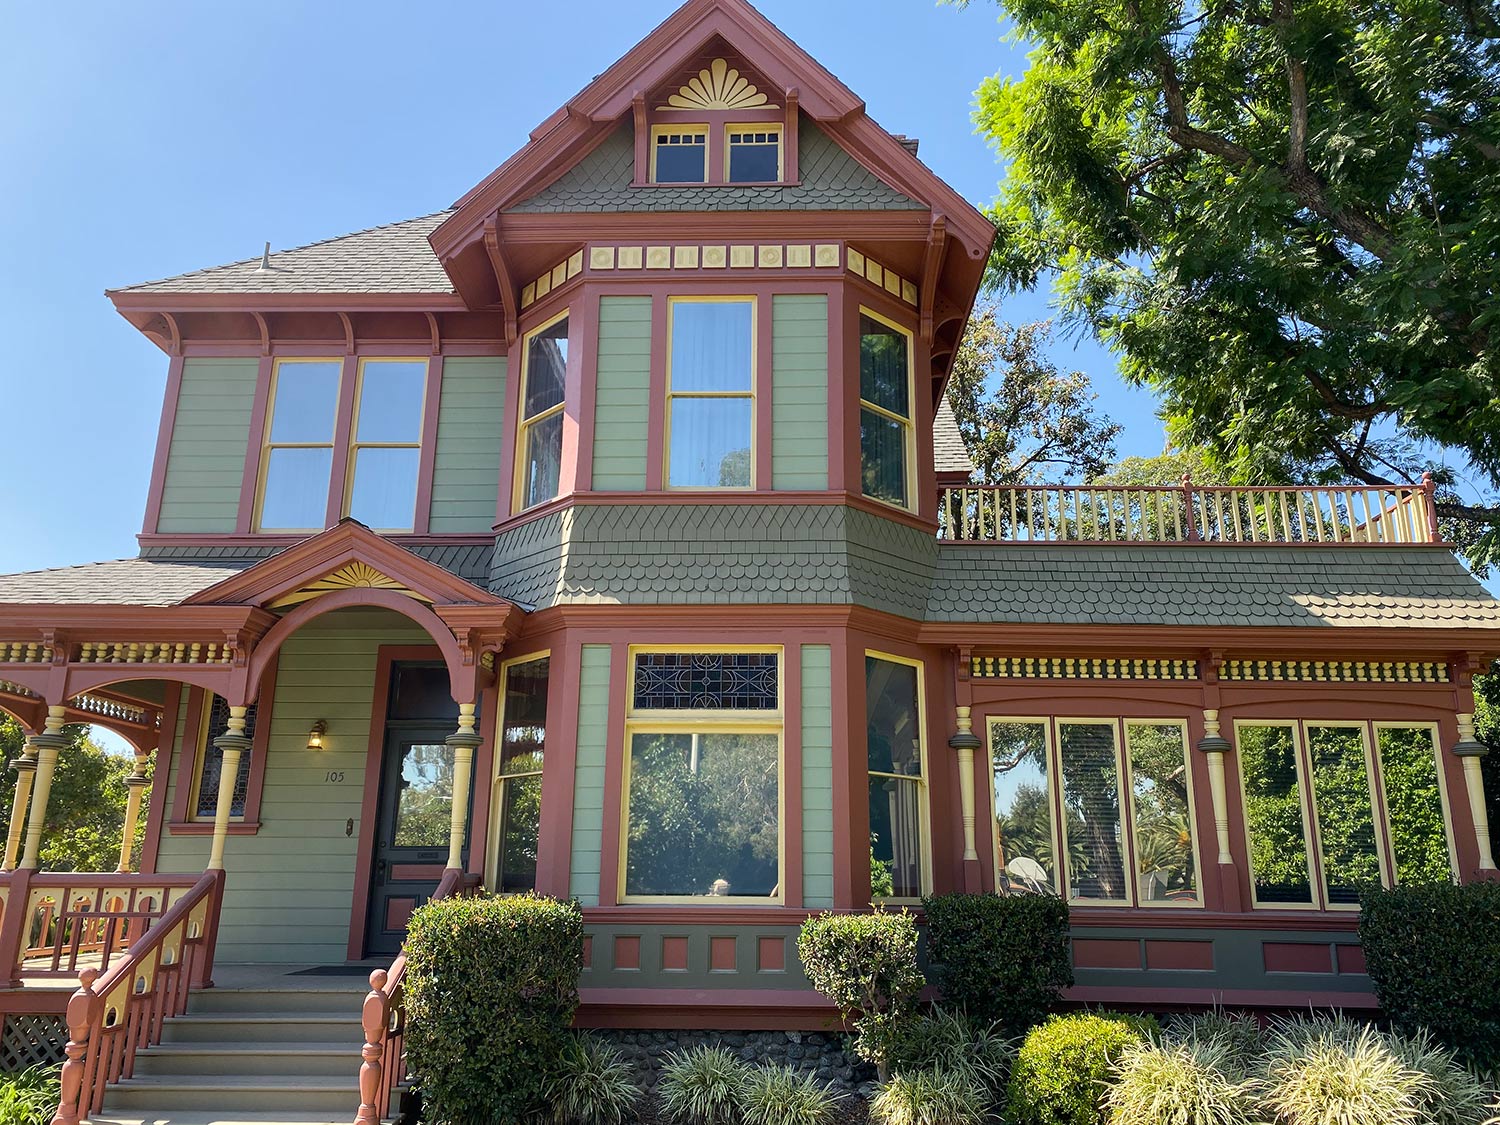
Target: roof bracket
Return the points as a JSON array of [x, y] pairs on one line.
[[348, 333], [496, 252], [437, 333], [265, 332], [932, 268]]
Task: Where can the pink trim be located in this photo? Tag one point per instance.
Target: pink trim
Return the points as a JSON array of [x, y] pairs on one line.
[[610, 889], [587, 307], [481, 782], [555, 838], [343, 434], [764, 382], [166, 752], [427, 458], [186, 763], [514, 363], [260, 412], [791, 784], [656, 412], [163, 444], [1156, 997]]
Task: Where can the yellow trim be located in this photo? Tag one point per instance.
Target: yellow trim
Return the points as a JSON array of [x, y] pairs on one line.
[[908, 423], [924, 816], [1443, 793], [658, 130], [1381, 831], [196, 792], [1192, 817], [267, 445], [1127, 863], [355, 445], [498, 779], [647, 721], [752, 394], [523, 423], [1049, 754], [1314, 875], [757, 127]]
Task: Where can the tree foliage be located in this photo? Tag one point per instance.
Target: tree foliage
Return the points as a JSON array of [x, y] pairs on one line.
[[1022, 419], [1283, 216]]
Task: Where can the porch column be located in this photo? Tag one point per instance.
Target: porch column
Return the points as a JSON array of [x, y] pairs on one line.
[[234, 745], [136, 782], [1471, 750], [48, 745], [25, 767], [464, 741], [965, 742], [1215, 746]]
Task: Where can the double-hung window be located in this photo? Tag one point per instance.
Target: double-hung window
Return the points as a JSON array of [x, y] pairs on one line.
[[702, 815], [544, 367], [885, 410], [518, 774], [210, 772], [898, 786], [752, 154], [711, 392], [297, 462], [387, 446], [679, 154]]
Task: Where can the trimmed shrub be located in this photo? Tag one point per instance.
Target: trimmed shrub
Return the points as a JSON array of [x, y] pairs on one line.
[[1434, 957], [30, 1097], [929, 1097], [952, 1041], [1179, 1084], [593, 1086], [1003, 959], [491, 988], [703, 1086], [867, 965], [1061, 1071], [778, 1095], [1321, 1072]]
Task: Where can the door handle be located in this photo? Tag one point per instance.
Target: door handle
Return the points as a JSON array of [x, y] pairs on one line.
[[380, 871]]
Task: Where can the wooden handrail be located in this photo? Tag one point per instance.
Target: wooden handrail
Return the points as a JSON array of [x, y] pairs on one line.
[[1189, 513], [120, 1010]]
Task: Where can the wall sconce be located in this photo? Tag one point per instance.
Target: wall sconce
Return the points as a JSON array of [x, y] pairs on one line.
[[315, 736]]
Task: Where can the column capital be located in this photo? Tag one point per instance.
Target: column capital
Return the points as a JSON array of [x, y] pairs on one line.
[[1467, 745]]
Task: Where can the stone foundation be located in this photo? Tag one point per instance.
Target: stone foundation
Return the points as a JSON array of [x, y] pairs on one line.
[[812, 1052]]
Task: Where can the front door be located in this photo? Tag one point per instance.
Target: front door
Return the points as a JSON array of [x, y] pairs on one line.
[[411, 839]]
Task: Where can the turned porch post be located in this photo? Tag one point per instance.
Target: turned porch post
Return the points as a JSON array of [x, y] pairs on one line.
[[233, 745], [464, 741], [48, 744], [25, 767], [1470, 750], [136, 782]]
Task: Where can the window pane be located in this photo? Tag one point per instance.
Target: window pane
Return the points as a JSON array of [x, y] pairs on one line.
[[895, 838], [543, 464], [710, 443], [707, 681], [296, 492], [1346, 822], [891, 707], [1414, 803], [523, 734], [704, 815], [894, 740], [424, 811], [882, 448], [754, 158], [384, 494], [1165, 865], [546, 368], [307, 396], [520, 821], [883, 366], [391, 394], [681, 158], [711, 345], [1091, 808], [1273, 811], [1023, 806], [212, 771], [421, 691]]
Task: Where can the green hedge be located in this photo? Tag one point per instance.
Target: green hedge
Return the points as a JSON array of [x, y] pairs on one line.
[[1002, 959], [1433, 954], [1062, 1071], [491, 988]]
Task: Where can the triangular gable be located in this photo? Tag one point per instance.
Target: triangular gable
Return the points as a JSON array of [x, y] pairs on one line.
[[348, 556]]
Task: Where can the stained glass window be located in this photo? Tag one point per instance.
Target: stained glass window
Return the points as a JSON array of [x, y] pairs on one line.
[[707, 681], [211, 764]]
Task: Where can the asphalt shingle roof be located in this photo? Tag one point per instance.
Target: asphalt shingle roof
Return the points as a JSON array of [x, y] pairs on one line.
[[949, 454], [395, 258], [148, 582]]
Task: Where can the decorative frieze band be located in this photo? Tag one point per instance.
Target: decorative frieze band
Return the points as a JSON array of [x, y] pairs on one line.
[[132, 652], [1338, 671], [12, 652], [1076, 668], [8, 688], [1242, 671], [563, 271], [883, 276]]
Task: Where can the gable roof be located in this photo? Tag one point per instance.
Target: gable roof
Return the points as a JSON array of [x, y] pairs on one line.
[[143, 582], [949, 453], [832, 180]]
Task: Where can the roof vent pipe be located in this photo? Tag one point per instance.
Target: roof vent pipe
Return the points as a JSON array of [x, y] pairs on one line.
[[265, 257]]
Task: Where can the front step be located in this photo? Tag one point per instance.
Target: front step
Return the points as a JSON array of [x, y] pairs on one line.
[[304, 1027], [229, 1096], [246, 1060], [193, 1117]]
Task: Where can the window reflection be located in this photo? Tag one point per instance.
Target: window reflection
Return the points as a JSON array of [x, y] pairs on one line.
[[1345, 817], [1166, 868], [523, 739], [1023, 805], [1279, 863], [710, 394], [1414, 803], [544, 380], [894, 739], [1091, 811]]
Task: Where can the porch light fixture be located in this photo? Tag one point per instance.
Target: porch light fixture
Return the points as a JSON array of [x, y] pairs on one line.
[[315, 736]]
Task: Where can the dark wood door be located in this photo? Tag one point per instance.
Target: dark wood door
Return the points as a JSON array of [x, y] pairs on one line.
[[411, 839]]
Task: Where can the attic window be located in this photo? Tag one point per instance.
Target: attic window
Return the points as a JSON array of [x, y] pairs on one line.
[[679, 154], [753, 156]]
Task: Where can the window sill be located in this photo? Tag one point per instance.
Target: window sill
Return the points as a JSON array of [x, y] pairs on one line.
[[206, 828], [723, 184]]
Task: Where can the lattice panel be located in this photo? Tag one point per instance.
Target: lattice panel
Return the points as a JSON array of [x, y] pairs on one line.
[[27, 1041]]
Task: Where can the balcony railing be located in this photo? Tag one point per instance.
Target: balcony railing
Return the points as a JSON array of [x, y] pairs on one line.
[[1187, 513]]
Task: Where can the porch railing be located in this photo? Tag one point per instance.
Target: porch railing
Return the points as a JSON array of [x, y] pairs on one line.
[[1188, 513], [120, 1011]]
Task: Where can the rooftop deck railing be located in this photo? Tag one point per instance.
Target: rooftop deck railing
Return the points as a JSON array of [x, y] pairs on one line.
[[1188, 513]]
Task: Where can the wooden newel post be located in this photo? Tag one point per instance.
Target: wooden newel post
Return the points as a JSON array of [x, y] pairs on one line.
[[1429, 493], [48, 745], [25, 767], [464, 741], [136, 783], [1187, 502], [233, 745], [375, 1018], [81, 1010]]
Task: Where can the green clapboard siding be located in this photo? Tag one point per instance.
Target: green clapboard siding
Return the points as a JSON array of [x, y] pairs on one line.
[[206, 458], [799, 393], [466, 463], [288, 888], [588, 775], [622, 394], [817, 776]]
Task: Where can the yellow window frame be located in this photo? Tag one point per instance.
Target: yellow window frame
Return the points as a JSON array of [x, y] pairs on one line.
[[684, 129], [524, 424], [1378, 821], [924, 813], [908, 424], [267, 446], [355, 445], [1127, 861], [1444, 795], [1049, 753], [1304, 789], [1128, 765], [752, 394], [769, 127], [500, 778], [648, 721]]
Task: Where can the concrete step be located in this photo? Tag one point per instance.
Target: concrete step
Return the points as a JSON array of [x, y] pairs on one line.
[[245, 1059], [266, 1001], [214, 1117], [305, 1027], [232, 1096]]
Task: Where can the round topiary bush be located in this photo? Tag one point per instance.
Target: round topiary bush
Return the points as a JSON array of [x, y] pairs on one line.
[[1061, 1071]]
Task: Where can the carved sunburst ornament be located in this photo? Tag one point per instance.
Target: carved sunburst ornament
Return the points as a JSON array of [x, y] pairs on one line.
[[351, 576], [718, 87]]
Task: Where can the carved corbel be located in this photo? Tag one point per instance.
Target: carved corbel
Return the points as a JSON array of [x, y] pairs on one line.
[[495, 249], [932, 269], [265, 332], [348, 333], [174, 333], [437, 333]]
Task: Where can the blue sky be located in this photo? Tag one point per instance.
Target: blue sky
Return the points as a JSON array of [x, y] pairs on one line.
[[142, 140]]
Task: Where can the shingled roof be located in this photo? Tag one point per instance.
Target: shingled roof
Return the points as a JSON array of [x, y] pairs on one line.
[[395, 258], [148, 582], [949, 453]]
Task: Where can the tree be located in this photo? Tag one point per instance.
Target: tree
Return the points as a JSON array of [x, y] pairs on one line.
[[1284, 217], [1019, 415], [1169, 468], [86, 809]]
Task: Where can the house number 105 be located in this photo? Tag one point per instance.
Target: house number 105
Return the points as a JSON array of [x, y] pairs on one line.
[[335, 776]]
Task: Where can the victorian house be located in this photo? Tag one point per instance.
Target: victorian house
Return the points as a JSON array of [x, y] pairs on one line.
[[607, 534]]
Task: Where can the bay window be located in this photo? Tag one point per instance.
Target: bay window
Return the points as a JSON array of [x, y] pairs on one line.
[[711, 392], [297, 461], [544, 365], [885, 410], [517, 801], [897, 778], [387, 447]]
